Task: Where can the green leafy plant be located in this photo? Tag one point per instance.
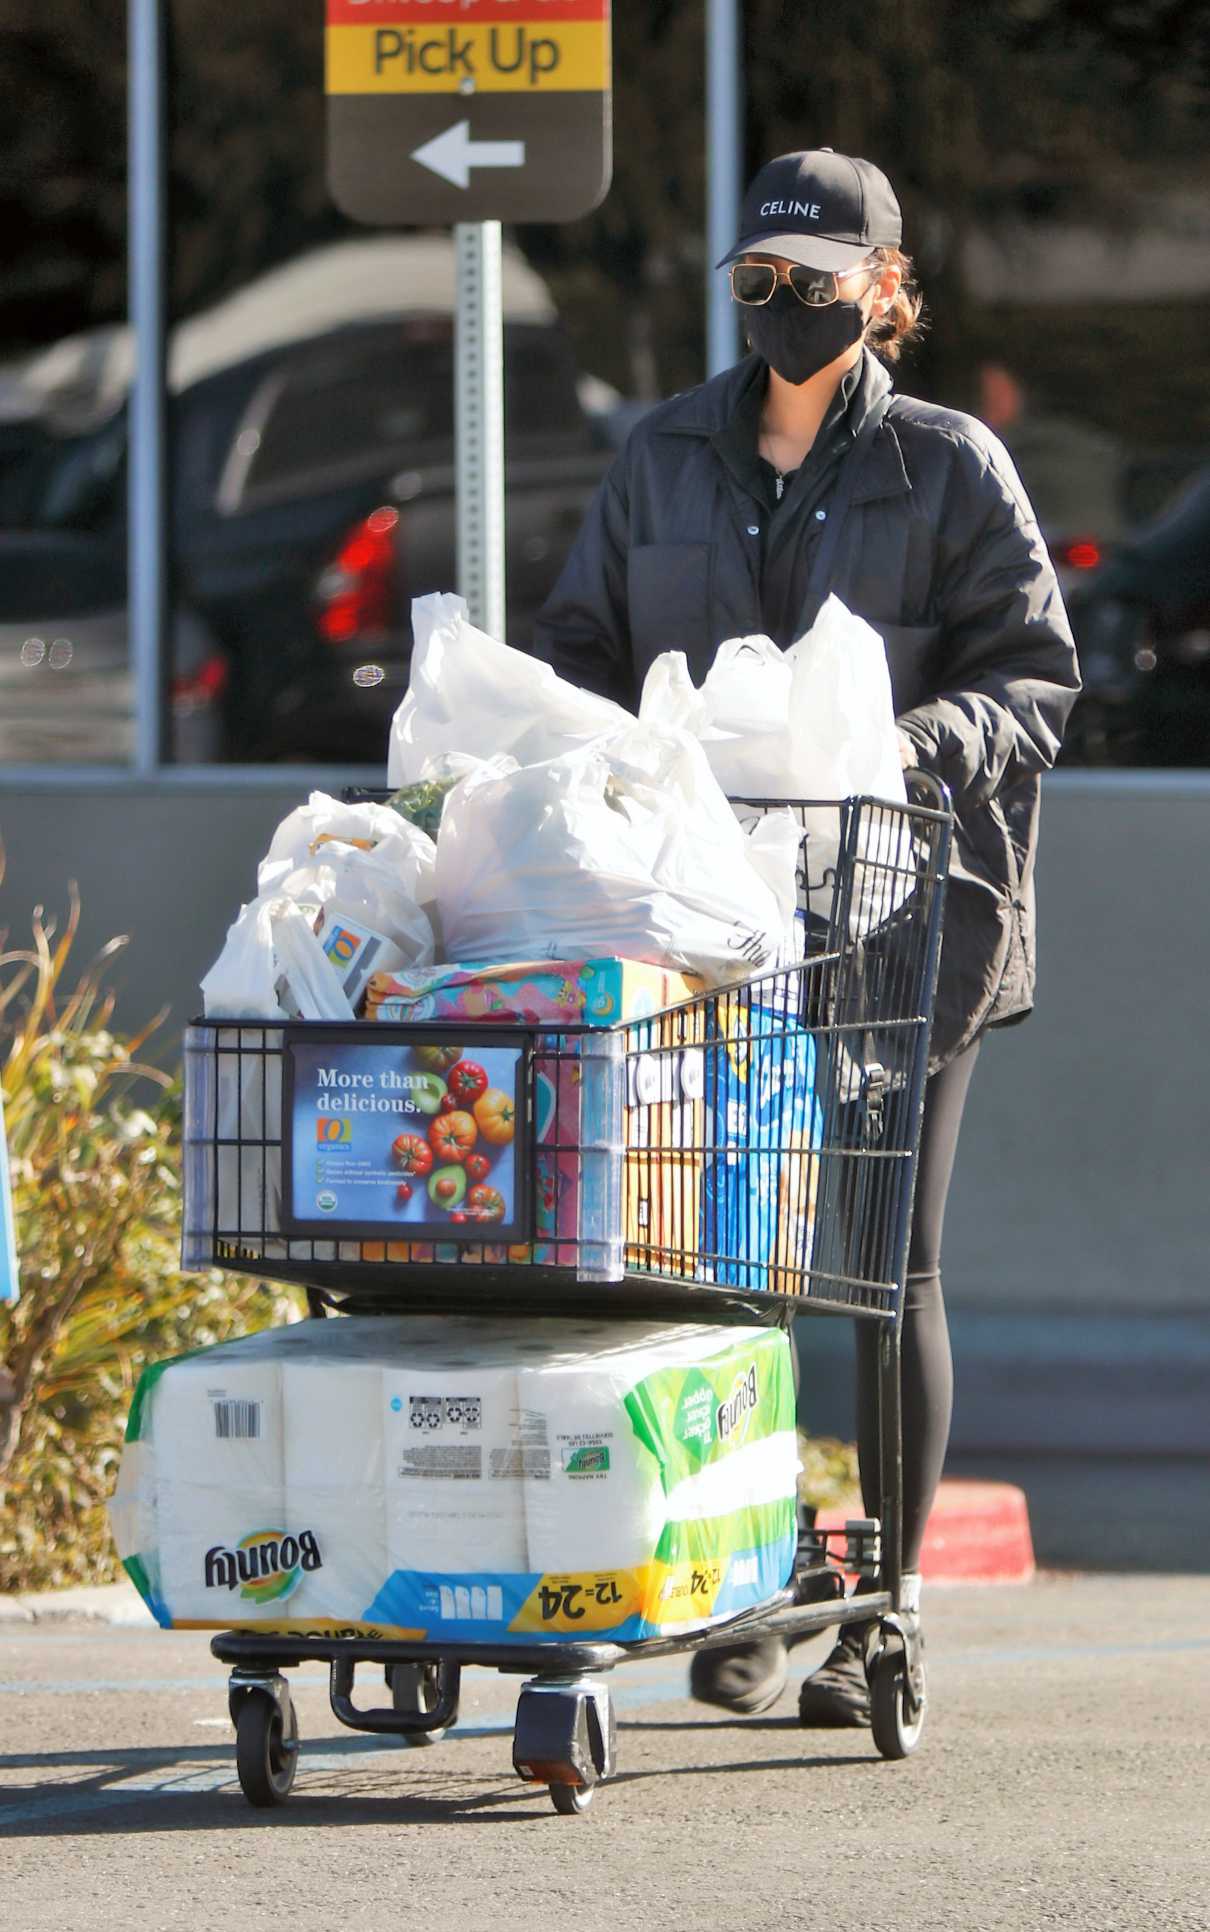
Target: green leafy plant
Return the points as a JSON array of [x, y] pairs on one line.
[[829, 1478], [93, 1135]]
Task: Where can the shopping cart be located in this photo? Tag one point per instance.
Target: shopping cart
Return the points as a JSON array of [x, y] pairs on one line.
[[747, 1155]]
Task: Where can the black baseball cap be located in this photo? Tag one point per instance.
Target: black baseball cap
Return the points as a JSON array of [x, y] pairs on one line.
[[820, 208]]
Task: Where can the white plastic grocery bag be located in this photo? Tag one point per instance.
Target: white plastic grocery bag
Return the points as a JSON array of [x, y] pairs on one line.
[[470, 694], [361, 881], [315, 829], [366, 917], [624, 847], [814, 722], [272, 967]]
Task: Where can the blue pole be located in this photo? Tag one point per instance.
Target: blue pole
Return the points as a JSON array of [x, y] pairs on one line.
[[724, 174], [10, 1280], [147, 596]]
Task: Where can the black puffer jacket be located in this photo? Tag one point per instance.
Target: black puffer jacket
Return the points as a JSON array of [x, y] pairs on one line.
[[940, 552]]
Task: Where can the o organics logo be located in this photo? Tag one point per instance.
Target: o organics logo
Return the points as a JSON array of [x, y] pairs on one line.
[[265, 1566], [734, 1414], [328, 1131], [341, 945]]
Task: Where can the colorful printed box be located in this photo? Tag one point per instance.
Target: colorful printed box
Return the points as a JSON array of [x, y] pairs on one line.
[[575, 992], [665, 1143], [578, 1128]]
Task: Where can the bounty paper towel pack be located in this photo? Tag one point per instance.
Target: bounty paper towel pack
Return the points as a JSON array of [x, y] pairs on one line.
[[463, 1480], [671, 1497]]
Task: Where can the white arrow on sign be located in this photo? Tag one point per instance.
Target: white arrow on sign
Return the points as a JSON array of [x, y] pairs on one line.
[[453, 154]]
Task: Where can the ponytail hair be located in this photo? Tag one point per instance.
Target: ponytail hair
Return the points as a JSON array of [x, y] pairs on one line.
[[902, 322]]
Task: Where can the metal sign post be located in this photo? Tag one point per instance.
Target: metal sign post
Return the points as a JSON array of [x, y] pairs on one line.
[[724, 174], [146, 544], [467, 116], [479, 422]]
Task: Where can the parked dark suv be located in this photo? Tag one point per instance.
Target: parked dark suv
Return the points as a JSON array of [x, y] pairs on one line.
[[313, 497], [317, 499]]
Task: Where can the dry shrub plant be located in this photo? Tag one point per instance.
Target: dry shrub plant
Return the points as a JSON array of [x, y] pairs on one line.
[[93, 1148]]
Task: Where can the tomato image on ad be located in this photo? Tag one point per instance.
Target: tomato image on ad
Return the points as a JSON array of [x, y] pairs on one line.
[[452, 1136], [466, 1081], [413, 1154], [438, 1059], [496, 1116], [486, 1204]]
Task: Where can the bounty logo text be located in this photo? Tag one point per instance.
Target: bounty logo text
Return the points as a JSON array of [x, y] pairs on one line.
[[264, 1566], [738, 1406]]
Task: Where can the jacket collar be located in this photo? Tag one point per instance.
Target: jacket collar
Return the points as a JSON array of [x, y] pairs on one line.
[[706, 410]]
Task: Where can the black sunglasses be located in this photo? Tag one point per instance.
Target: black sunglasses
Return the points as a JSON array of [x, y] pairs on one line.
[[754, 283]]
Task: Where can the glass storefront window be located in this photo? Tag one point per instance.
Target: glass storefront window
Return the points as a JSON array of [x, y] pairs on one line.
[[1061, 239]]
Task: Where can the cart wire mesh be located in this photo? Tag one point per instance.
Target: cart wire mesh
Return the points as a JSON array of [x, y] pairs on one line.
[[755, 1145], [773, 1127]]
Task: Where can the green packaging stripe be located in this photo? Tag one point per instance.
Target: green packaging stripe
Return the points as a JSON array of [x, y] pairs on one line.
[[688, 1417], [136, 1571], [145, 1389], [715, 1537]]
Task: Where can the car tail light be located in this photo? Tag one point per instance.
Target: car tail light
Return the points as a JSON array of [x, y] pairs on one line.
[[1079, 553], [192, 691], [356, 593]]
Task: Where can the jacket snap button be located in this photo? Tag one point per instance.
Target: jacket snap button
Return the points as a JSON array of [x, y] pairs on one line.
[[821, 516], [754, 529]]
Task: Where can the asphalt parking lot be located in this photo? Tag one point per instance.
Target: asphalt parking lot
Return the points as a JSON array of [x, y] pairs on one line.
[[1062, 1780]]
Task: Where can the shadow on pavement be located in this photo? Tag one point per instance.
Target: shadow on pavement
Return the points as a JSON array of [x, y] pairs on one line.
[[107, 1805]]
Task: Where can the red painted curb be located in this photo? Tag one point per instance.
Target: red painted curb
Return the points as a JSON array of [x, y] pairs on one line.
[[977, 1533]]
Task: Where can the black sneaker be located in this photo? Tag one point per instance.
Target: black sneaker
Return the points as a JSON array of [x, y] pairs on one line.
[[837, 1696], [746, 1678]]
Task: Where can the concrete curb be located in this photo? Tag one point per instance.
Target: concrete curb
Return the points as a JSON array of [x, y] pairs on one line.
[[113, 1603], [977, 1533]]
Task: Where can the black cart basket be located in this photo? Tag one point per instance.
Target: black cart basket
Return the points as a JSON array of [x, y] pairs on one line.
[[746, 1154]]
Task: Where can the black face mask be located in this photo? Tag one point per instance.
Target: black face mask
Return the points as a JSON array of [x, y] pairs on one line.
[[797, 341]]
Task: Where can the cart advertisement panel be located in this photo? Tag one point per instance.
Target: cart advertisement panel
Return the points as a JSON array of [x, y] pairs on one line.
[[416, 1140]]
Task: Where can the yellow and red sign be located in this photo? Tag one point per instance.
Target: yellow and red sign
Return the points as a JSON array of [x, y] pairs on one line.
[[467, 46], [468, 110]]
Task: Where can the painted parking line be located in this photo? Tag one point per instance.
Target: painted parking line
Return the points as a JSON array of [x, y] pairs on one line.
[[657, 1689]]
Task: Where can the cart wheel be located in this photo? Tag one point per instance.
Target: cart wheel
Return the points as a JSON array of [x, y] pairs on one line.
[[896, 1733], [413, 1687], [266, 1751], [571, 1800]]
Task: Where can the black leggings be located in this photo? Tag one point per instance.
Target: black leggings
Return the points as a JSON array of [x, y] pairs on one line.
[[928, 1370]]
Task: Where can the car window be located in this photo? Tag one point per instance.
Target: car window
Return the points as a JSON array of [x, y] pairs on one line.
[[351, 410], [540, 396], [358, 407], [77, 483]]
